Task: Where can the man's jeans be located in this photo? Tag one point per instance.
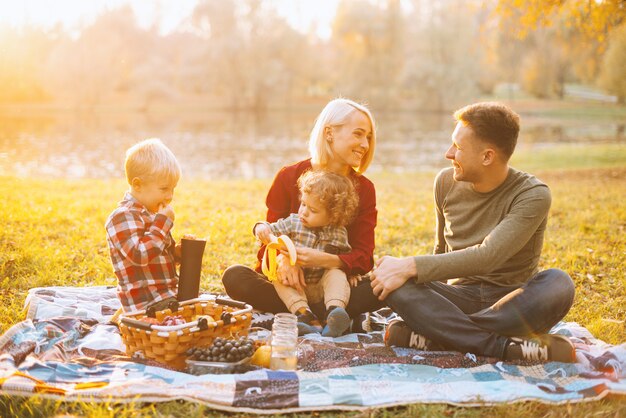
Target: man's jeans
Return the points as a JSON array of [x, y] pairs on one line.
[[479, 318]]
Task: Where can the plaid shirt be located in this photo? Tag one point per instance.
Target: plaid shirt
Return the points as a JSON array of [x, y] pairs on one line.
[[330, 239], [142, 253]]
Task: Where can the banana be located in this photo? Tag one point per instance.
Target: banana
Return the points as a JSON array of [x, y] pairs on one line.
[[269, 264]]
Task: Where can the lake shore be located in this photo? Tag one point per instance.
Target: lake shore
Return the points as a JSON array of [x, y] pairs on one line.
[[550, 108]]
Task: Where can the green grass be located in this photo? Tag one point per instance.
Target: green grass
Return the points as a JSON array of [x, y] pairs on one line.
[[534, 157], [569, 108], [585, 110], [52, 234]]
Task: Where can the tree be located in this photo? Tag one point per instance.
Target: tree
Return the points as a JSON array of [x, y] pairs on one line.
[[595, 19], [100, 63], [369, 43], [546, 64], [21, 73], [585, 24], [444, 58], [251, 57], [613, 70]]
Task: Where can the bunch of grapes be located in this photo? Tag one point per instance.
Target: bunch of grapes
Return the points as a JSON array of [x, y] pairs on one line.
[[223, 350]]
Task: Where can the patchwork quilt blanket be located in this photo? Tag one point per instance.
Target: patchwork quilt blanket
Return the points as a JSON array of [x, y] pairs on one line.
[[67, 349]]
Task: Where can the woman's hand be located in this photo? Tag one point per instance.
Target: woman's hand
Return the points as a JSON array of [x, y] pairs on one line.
[[309, 257], [290, 275]]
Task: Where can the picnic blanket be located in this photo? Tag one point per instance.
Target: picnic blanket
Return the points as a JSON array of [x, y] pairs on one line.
[[66, 349]]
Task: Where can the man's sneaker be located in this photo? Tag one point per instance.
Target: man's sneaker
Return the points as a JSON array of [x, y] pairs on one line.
[[399, 334], [544, 348]]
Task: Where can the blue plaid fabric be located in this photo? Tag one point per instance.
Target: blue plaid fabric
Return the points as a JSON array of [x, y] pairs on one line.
[[355, 371]]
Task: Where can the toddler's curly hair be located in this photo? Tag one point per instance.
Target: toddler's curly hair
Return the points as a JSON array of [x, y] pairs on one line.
[[335, 192]]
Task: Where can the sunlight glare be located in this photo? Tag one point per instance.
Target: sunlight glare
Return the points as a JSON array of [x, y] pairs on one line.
[[72, 13], [305, 16], [309, 16]]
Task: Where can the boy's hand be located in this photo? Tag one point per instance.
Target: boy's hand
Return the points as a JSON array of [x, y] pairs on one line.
[[167, 210], [263, 233], [178, 250]]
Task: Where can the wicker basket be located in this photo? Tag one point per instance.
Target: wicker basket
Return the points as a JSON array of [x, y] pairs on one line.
[[205, 319]]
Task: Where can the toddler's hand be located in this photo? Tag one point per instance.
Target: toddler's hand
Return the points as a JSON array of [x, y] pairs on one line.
[[355, 280], [167, 210], [263, 233]]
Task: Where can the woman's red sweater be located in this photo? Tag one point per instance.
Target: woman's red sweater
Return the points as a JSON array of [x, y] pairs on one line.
[[283, 199]]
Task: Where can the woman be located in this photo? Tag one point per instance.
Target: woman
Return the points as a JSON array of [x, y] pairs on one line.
[[342, 141]]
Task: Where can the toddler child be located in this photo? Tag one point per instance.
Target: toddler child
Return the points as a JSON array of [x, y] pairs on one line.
[[328, 202], [143, 251]]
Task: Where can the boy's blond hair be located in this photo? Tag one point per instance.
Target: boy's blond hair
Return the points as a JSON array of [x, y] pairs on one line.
[[334, 191], [335, 114], [149, 160]]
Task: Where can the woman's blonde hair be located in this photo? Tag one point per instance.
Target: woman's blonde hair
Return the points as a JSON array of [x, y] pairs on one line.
[[335, 192], [150, 160], [335, 114]]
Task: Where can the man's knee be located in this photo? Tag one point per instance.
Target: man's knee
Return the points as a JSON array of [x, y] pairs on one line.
[[406, 295], [565, 285], [562, 285], [552, 298]]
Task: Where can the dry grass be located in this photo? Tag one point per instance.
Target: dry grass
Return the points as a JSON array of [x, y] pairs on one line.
[[52, 234]]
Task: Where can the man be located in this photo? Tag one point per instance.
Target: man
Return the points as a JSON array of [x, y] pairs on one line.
[[491, 220]]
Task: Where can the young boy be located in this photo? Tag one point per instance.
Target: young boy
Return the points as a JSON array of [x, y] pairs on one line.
[[143, 251], [328, 203]]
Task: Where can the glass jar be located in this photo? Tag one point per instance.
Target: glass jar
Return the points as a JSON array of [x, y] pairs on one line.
[[284, 342], [285, 319]]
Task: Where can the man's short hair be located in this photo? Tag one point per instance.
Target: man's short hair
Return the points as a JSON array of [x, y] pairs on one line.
[[492, 122], [151, 160]]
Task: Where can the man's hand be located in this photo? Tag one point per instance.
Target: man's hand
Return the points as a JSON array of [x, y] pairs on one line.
[[290, 275], [263, 233], [390, 273], [167, 210]]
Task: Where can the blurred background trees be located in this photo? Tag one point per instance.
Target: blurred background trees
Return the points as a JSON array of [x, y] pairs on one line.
[[241, 54], [613, 68]]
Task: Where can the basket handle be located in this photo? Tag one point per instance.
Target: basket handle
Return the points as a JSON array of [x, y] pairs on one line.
[[227, 317], [137, 324], [232, 303]]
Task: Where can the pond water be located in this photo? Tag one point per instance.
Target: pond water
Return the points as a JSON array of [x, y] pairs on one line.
[[216, 145]]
